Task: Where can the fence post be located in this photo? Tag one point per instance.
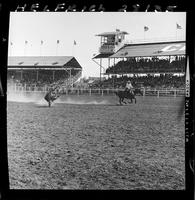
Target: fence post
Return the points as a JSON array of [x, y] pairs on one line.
[[158, 94], [90, 92], [144, 92], [175, 93], [102, 92]]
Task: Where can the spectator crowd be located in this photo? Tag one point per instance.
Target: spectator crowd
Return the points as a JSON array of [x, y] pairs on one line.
[[167, 81], [153, 65], [40, 78]]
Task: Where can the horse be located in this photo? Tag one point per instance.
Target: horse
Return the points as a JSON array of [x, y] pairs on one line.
[[49, 97], [127, 95]]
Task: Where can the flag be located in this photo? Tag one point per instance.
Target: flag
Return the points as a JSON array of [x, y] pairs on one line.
[[75, 42], [26, 42], [11, 43], [178, 26], [41, 41], [58, 41], [117, 30], [146, 28]]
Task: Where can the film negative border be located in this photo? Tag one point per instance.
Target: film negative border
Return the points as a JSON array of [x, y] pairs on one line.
[[97, 6], [120, 6]]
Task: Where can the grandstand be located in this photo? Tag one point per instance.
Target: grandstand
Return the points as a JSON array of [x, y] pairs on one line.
[[43, 70], [159, 65], [149, 65]]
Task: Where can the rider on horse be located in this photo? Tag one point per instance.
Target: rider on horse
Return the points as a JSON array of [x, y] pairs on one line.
[[129, 87]]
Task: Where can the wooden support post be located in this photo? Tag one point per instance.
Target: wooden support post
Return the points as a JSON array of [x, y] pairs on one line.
[[158, 93], [175, 93], [144, 92], [37, 75]]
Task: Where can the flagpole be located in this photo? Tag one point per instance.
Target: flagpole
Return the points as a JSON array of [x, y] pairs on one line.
[[57, 47], [73, 50], [74, 43], [145, 29], [40, 50], [177, 27], [144, 36], [25, 47]]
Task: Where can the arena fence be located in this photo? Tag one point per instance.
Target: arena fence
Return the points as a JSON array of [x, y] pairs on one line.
[[100, 92]]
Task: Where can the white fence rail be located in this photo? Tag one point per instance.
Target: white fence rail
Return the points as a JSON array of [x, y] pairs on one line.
[[90, 92]]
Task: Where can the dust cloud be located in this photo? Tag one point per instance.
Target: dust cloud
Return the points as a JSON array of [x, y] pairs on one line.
[[38, 98]]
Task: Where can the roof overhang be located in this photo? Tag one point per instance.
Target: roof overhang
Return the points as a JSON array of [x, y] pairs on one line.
[[42, 68], [113, 33], [151, 50], [102, 55]]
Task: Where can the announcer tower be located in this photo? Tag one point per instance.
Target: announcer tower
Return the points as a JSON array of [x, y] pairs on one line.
[[110, 42]]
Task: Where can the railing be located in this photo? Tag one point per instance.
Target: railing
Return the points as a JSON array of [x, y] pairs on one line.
[[100, 92], [71, 80]]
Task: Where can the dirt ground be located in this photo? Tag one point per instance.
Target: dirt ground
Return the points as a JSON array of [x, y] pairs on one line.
[[82, 143]]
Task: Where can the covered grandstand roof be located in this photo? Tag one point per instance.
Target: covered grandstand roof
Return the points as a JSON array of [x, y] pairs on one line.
[[42, 62], [148, 50], [151, 49]]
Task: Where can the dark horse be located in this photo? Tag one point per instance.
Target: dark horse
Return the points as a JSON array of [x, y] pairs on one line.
[[49, 97], [127, 95]]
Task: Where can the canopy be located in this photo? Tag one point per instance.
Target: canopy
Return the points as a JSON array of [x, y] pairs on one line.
[[151, 49], [42, 62]]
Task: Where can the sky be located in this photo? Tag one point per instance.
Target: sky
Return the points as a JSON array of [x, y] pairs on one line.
[[82, 27]]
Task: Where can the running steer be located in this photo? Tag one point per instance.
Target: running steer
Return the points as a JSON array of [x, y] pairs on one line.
[[51, 96]]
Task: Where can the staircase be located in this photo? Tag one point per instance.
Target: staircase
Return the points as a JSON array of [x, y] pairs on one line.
[[65, 83]]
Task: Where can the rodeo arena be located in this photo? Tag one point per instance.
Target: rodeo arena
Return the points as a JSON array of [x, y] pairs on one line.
[[70, 132]]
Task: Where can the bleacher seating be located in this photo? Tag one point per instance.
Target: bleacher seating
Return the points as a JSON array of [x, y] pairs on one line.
[[153, 65], [45, 77]]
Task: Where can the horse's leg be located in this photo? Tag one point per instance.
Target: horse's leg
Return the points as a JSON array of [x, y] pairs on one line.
[[123, 100], [120, 101], [135, 100], [49, 102], [130, 100]]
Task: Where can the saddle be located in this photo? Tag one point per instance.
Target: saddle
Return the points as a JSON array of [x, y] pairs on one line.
[[128, 91]]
